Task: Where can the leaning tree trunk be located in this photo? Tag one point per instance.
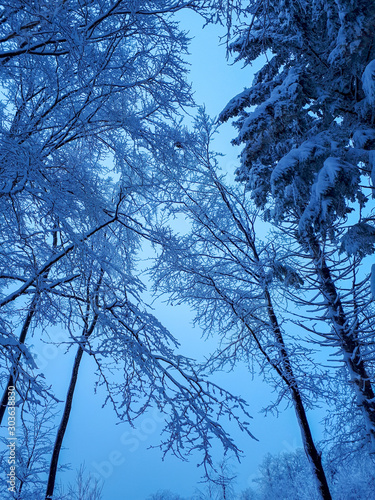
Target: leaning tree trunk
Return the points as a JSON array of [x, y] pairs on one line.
[[14, 368], [347, 340], [66, 414], [286, 373], [312, 453], [63, 426], [32, 309]]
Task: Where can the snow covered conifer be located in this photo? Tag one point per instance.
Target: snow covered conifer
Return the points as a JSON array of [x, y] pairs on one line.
[[307, 129]]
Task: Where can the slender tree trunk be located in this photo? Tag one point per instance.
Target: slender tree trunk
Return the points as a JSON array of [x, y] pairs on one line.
[[309, 446], [287, 371], [66, 414], [312, 453], [32, 309], [13, 372], [63, 426], [347, 340]]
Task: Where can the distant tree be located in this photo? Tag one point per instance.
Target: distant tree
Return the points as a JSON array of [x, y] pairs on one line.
[[221, 484], [35, 431], [164, 495], [248, 494], [85, 488], [306, 126], [286, 476], [353, 477]]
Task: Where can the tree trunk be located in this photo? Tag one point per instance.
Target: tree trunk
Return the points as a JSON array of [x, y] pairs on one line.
[[13, 372], [63, 426], [347, 340], [309, 446], [66, 414], [308, 443], [287, 371], [32, 308]]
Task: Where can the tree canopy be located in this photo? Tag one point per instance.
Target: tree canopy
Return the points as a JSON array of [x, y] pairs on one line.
[[98, 155]]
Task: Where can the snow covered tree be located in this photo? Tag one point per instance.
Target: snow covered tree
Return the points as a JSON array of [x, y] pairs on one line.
[[286, 476], [35, 430], [306, 124], [233, 280], [353, 477], [89, 92], [222, 486], [83, 85], [85, 488], [135, 359], [248, 494], [165, 495]]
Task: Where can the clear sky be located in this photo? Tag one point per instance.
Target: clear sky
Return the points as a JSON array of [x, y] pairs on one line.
[[119, 453]]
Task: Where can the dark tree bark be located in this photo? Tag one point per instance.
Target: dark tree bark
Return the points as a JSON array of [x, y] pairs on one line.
[[347, 339], [12, 380], [66, 414], [286, 373], [312, 453]]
